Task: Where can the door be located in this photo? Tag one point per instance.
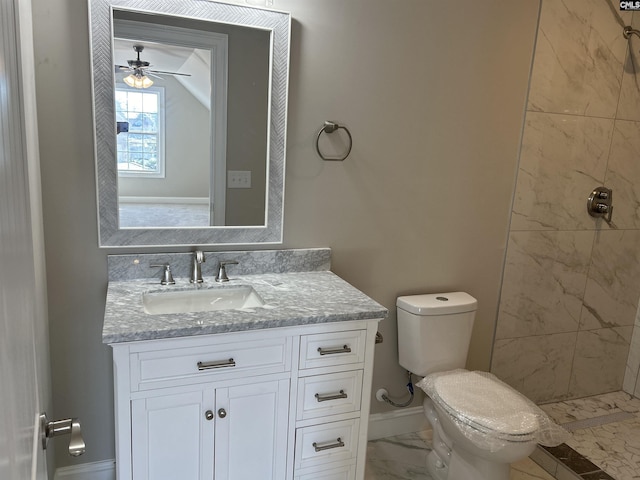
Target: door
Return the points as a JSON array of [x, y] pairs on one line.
[[24, 361], [251, 430], [172, 436]]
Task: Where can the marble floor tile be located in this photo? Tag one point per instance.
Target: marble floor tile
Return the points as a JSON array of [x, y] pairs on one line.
[[399, 457], [614, 447], [405, 457], [592, 407]]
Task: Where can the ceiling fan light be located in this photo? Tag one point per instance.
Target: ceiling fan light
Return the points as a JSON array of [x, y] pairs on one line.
[[146, 82], [130, 80], [136, 81]]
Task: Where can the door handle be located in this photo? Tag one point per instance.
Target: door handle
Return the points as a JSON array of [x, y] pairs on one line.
[[68, 426]]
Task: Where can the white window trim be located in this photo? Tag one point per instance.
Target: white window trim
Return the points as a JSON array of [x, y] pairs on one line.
[[160, 173]]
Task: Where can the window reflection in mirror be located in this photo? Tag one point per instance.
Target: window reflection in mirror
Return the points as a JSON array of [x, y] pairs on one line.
[[140, 148]]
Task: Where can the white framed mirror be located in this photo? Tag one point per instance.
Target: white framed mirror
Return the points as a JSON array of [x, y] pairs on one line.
[[190, 106]]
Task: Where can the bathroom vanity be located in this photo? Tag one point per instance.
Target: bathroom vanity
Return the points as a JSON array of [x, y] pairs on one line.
[[275, 391]]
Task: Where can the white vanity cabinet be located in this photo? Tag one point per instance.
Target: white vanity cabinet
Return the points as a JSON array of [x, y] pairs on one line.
[[174, 434], [281, 403], [203, 407]]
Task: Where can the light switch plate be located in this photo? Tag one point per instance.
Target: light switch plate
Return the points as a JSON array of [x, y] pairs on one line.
[[239, 179]]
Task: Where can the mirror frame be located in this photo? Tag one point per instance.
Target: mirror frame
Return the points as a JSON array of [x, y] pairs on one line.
[[103, 73]]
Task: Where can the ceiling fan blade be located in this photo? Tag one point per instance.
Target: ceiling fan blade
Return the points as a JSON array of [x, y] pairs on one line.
[[122, 68], [169, 73]]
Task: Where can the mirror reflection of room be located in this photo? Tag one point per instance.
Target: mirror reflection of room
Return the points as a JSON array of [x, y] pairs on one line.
[[189, 152], [157, 124]]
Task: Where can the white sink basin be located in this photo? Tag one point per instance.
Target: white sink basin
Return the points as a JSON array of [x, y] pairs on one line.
[[203, 300]]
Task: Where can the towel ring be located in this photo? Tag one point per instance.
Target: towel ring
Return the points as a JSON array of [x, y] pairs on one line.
[[330, 127]]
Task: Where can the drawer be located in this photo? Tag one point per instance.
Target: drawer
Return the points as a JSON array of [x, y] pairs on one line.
[[150, 368], [326, 443], [331, 349], [346, 472], [322, 395]]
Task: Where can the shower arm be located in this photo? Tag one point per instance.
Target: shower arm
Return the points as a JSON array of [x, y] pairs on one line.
[[628, 31]]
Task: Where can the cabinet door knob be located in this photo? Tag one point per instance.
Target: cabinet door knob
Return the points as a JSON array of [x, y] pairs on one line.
[[208, 415], [222, 413]]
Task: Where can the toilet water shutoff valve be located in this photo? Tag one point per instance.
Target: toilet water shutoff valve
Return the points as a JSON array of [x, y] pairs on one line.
[[381, 393]]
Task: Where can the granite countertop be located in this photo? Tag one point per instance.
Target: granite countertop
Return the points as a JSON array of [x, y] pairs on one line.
[[291, 299]]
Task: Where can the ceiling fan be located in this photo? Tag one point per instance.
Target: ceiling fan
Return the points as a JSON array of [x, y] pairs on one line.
[[139, 71]]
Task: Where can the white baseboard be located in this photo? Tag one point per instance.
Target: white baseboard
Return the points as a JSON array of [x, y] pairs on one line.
[[397, 422], [105, 470]]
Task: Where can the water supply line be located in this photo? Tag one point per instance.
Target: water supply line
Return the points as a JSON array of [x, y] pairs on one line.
[[382, 395]]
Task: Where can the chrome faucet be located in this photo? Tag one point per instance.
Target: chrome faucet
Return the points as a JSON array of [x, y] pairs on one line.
[[167, 277], [196, 270], [222, 270]]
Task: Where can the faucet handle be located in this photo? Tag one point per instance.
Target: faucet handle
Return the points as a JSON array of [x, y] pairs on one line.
[[222, 271], [167, 277]]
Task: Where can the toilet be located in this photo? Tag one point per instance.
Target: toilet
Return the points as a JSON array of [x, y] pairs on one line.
[[480, 424]]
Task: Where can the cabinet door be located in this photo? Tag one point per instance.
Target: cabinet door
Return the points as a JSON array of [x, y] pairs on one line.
[[251, 431], [172, 438]]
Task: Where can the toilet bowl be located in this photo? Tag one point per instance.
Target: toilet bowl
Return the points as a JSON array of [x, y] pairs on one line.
[[480, 424], [480, 427]]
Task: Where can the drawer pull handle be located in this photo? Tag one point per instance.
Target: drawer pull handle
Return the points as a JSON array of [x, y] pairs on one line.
[[339, 443], [218, 364], [324, 398], [333, 351]]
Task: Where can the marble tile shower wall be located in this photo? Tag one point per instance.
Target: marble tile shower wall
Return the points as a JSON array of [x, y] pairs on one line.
[[571, 283]]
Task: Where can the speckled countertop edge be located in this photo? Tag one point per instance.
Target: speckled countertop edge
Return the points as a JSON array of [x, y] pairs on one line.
[[291, 299]]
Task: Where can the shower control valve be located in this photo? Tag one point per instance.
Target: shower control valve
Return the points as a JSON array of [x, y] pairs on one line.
[[600, 203]]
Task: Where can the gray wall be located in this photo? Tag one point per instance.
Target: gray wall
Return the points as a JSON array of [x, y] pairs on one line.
[[247, 115], [434, 94]]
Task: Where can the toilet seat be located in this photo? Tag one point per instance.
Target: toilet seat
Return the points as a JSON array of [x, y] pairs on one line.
[[486, 405]]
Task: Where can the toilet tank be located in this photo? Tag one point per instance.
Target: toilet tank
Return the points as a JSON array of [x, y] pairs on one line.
[[434, 331]]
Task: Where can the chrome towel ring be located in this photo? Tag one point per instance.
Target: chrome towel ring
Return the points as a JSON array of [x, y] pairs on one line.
[[330, 127]]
